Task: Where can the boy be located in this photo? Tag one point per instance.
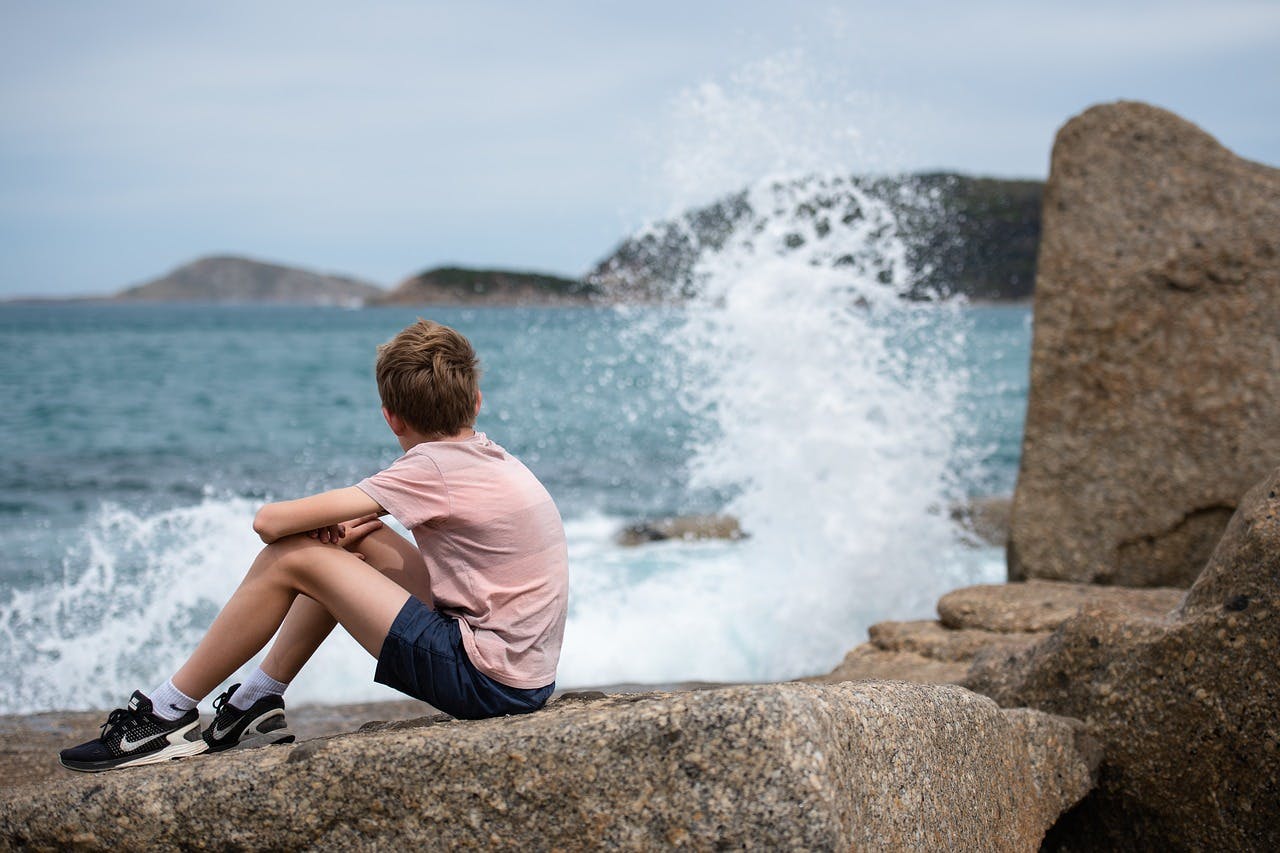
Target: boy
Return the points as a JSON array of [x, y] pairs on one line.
[[470, 620]]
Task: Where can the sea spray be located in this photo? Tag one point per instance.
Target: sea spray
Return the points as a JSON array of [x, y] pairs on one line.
[[824, 403], [823, 400]]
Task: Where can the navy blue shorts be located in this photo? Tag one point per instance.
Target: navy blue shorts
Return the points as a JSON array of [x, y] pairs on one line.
[[423, 656]]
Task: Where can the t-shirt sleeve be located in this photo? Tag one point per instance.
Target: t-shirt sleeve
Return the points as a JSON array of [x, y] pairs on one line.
[[412, 489]]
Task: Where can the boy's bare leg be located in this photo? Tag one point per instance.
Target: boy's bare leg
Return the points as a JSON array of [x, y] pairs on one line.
[[359, 596], [308, 624]]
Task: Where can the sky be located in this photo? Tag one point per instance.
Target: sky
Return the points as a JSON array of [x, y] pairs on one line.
[[379, 139]]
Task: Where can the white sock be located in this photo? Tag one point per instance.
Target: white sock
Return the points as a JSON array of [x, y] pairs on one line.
[[170, 703], [257, 685]]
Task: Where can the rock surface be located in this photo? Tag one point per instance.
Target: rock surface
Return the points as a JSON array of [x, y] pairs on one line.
[[29, 743], [1185, 705], [940, 642], [869, 661], [1155, 366], [861, 766], [977, 622], [1038, 606], [985, 519]]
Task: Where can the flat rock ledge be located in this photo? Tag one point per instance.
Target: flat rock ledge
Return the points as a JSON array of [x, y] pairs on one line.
[[869, 765], [988, 621]]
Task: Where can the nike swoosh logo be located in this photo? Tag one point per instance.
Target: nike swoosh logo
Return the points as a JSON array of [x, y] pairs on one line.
[[127, 745], [219, 734]]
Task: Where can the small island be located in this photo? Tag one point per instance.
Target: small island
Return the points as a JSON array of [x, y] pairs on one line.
[[228, 279], [462, 286]]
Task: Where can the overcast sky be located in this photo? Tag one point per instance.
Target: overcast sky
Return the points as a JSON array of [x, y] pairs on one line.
[[379, 138]]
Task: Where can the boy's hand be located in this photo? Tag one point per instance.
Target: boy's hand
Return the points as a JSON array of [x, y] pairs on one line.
[[330, 534], [357, 528]]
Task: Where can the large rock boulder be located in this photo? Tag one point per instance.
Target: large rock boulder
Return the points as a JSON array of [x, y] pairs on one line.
[[1185, 704], [1155, 364], [790, 766]]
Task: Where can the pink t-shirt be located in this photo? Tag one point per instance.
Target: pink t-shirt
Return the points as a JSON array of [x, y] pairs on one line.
[[495, 551]]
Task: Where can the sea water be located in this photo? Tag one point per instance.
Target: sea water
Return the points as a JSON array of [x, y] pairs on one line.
[[138, 442], [794, 389]]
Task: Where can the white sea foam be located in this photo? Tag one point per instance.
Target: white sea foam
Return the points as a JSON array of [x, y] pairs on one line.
[[828, 404], [836, 438]]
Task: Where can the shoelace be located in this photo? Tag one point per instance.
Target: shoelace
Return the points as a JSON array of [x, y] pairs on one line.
[[223, 698], [122, 717]]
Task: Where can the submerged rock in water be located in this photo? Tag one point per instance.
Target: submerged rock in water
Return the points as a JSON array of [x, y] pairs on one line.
[[1155, 387], [985, 519], [686, 527], [797, 766], [1185, 703]]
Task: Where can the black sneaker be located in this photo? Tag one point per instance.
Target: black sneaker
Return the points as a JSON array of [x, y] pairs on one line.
[[133, 736], [260, 725]]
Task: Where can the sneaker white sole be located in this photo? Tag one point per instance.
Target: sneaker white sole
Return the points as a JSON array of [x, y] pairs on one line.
[[268, 739], [179, 747]]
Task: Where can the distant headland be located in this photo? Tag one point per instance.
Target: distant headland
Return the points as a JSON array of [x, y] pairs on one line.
[[231, 279], [963, 235]]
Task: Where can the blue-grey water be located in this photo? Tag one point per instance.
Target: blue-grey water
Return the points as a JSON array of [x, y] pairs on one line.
[[139, 439]]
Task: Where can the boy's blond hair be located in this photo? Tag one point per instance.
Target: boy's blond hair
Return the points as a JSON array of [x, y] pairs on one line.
[[429, 375]]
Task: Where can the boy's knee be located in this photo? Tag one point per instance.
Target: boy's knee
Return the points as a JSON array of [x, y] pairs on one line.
[[298, 558], [285, 555]]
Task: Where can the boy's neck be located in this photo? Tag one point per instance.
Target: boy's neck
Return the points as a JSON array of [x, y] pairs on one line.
[[411, 439]]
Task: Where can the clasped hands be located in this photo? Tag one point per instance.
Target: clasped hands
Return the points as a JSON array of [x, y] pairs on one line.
[[348, 534]]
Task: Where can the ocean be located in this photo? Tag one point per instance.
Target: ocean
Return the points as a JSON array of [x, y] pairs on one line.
[[139, 441]]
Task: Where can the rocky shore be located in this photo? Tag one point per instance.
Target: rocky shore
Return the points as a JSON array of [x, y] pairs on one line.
[[1120, 693], [793, 766]]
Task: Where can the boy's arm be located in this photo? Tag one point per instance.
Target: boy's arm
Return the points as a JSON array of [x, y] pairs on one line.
[[278, 520]]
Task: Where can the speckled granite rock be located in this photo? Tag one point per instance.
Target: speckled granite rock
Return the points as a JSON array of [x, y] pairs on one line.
[[1036, 606], [935, 640], [979, 622], [796, 766], [870, 662], [1155, 364], [1185, 705]]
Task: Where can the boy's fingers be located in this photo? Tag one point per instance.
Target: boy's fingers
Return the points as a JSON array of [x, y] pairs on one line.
[[359, 531]]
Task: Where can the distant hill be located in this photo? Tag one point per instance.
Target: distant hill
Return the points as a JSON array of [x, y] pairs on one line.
[[976, 236], [229, 279], [462, 286]]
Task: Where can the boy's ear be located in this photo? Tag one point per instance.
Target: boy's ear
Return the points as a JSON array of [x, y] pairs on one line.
[[397, 424], [479, 398]]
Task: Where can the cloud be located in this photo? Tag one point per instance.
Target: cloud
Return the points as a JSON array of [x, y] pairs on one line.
[[504, 131]]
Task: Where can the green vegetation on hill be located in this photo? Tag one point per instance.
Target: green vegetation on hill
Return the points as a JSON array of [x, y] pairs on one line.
[[460, 285]]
